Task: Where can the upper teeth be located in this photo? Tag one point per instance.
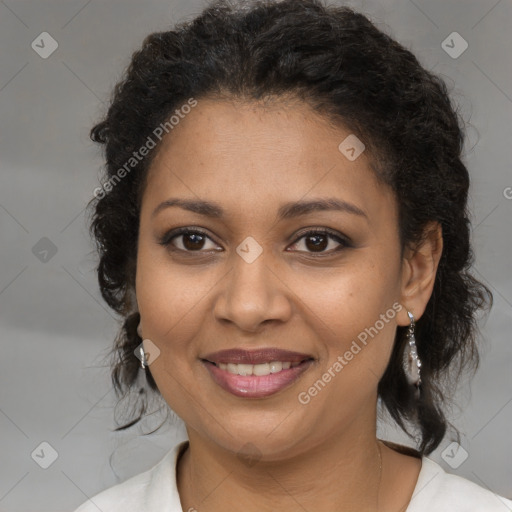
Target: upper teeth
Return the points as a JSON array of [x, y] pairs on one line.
[[257, 369]]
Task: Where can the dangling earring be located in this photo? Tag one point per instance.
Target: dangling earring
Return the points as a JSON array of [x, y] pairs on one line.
[[143, 361], [411, 361]]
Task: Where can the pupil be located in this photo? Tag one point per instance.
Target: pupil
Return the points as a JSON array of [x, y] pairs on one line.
[[194, 245], [317, 244]]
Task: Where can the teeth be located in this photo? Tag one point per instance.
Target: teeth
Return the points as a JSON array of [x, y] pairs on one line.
[[261, 369], [244, 369], [275, 366], [257, 369]]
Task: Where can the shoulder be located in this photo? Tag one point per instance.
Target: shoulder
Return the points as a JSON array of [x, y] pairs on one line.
[[151, 490], [126, 496], [441, 491]]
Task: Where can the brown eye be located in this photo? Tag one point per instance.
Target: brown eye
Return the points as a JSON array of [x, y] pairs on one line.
[[192, 240], [314, 242], [319, 240]]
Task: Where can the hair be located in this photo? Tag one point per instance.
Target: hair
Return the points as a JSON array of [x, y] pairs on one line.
[[340, 64]]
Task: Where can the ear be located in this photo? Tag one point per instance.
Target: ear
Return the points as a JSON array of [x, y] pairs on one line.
[[419, 268]]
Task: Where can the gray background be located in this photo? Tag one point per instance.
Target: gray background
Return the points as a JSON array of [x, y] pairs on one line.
[[55, 329]]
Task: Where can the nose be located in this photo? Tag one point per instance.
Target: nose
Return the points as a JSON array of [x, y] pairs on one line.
[[253, 294]]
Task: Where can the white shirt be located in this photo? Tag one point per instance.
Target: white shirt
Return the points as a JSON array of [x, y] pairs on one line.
[[155, 490]]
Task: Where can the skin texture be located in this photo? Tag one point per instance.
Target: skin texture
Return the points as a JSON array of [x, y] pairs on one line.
[[250, 158]]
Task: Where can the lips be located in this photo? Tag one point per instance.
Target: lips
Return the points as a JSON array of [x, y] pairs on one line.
[[266, 355], [256, 373]]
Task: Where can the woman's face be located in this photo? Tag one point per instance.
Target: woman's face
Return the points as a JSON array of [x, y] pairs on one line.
[[255, 281]]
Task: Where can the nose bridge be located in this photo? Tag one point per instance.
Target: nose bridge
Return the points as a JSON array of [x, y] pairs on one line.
[[250, 286], [253, 293], [250, 271]]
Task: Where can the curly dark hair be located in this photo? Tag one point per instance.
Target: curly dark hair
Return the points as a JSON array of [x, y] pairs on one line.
[[339, 63]]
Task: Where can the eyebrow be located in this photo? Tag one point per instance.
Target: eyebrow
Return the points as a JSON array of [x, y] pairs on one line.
[[286, 211]]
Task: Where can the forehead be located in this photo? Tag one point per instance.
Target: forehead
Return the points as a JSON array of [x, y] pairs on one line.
[[248, 155]]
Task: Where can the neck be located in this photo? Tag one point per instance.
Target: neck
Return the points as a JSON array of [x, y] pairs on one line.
[[343, 472]]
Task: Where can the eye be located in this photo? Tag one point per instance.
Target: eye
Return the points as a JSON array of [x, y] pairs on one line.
[[192, 240], [317, 240]]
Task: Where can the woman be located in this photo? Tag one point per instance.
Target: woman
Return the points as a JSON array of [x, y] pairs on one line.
[[284, 231]]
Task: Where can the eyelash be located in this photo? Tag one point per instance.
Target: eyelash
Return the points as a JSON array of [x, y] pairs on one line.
[[166, 240]]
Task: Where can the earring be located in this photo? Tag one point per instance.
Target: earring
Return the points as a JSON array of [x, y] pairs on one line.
[[143, 361], [411, 361]]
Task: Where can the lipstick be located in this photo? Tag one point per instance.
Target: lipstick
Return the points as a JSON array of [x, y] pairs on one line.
[[256, 373]]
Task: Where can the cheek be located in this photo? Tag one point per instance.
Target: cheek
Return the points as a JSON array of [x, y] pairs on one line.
[[354, 296], [355, 315], [167, 300], [173, 301]]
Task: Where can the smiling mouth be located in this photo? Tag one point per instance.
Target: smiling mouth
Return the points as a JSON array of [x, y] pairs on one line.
[[257, 373], [258, 370]]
